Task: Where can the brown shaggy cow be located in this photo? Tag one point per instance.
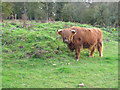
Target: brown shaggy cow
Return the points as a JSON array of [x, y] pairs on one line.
[[80, 37]]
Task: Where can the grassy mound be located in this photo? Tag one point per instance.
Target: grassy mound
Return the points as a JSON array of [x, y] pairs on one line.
[[37, 57]]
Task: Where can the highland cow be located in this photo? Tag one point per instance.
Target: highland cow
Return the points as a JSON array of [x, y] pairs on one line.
[[80, 37]]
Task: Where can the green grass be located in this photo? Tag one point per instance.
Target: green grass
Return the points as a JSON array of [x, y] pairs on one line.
[[37, 58]]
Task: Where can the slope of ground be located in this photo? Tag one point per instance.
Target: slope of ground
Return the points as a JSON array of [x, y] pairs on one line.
[[37, 58]]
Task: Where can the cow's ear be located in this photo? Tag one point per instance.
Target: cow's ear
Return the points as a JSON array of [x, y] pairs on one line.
[[59, 31], [73, 32]]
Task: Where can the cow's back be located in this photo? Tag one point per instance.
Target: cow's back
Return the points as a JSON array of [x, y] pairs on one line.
[[87, 36]]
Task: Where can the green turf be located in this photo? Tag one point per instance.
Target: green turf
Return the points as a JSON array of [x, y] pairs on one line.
[[37, 58]]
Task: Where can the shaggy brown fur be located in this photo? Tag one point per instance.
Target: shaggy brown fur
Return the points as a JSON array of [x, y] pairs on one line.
[[80, 37], [71, 46]]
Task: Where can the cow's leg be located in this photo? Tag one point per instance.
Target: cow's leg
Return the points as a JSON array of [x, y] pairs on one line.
[[92, 51], [71, 46], [100, 47], [77, 52]]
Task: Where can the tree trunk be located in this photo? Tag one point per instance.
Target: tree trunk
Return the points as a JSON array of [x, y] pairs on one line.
[[2, 17], [24, 20], [25, 10], [30, 18], [15, 16], [36, 18], [102, 17], [47, 12]]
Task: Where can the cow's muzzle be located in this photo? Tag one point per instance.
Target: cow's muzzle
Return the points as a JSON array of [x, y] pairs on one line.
[[65, 40]]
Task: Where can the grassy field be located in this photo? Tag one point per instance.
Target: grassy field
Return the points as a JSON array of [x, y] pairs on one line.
[[37, 58]]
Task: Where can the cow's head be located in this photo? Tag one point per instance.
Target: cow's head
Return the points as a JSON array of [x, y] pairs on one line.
[[67, 35]]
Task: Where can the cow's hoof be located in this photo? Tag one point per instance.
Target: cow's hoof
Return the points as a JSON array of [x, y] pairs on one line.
[[90, 56], [77, 59], [101, 56]]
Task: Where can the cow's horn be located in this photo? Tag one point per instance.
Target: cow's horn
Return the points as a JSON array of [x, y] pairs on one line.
[[59, 30], [73, 30]]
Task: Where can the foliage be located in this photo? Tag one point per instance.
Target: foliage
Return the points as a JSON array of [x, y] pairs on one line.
[[98, 13], [7, 8]]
